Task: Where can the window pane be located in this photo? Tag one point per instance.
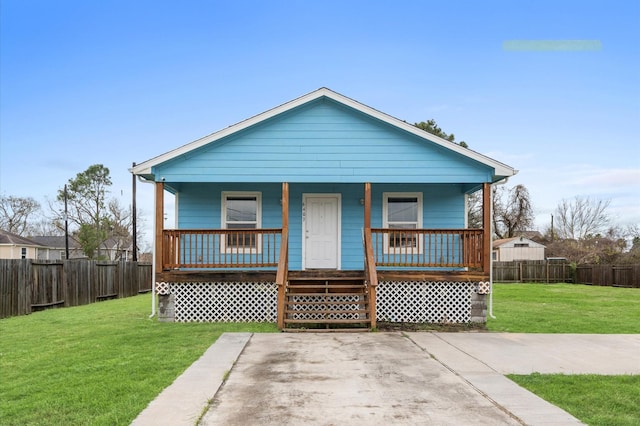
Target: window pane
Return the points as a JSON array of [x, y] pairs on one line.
[[403, 209], [241, 240], [242, 209], [403, 238]]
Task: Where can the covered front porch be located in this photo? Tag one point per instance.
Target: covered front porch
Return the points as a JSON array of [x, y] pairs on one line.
[[399, 261]]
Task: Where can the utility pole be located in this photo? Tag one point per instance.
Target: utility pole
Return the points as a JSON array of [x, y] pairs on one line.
[[66, 225], [133, 208]]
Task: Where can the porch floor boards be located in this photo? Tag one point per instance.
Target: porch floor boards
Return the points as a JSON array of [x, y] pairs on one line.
[[315, 275]]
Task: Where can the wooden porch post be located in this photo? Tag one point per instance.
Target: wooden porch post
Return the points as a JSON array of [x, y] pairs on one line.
[[159, 222], [285, 205], [283, 266], [367, 205], [486, 227]]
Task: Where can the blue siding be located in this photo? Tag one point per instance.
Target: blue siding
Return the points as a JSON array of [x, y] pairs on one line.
[[199, 208], [323, 141], [199, 205]]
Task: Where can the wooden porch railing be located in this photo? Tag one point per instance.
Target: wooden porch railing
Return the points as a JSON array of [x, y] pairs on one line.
[[420, 248], [220, 248]]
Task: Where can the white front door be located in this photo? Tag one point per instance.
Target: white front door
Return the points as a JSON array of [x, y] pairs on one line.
[[321, 231]]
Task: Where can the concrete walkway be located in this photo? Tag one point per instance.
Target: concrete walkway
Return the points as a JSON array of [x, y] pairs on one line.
[[382, 378]]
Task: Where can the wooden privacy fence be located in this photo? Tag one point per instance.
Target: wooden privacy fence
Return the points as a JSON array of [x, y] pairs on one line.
[[532, 271], [30, 285], [609, 275]]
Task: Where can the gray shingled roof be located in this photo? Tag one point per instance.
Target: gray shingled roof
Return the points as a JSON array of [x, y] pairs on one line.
[[55, 241], [13, 239]]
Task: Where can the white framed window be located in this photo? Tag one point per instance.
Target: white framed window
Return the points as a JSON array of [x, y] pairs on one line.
[[402, 211], [23, 253], [241, 210]]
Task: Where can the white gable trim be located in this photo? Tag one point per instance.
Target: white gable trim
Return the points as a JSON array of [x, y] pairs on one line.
[[501, 169]]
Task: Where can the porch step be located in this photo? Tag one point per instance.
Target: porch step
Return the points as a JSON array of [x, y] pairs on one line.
[[326, 330], [319, 312], [327, 302], [332, 294], [328, 321], [295, 286], [328, 311]]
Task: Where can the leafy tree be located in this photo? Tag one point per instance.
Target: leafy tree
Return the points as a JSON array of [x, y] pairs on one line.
[[91, 238], [17, 214], [87, 209], [432, 127], [512, 211]]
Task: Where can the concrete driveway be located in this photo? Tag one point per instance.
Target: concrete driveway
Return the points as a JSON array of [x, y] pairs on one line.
[[382, 378]]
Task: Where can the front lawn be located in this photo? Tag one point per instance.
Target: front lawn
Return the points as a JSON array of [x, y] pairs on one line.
[[98, 364], [565, 308], [596, 400], [569, 308]]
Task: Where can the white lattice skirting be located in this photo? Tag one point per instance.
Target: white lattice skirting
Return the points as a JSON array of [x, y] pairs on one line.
[[225, 302], [425, 302]]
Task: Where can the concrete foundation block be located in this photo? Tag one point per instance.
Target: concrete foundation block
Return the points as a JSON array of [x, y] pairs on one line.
[[166, 307]]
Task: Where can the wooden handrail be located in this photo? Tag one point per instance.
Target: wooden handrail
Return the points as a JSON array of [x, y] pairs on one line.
[[282, 276], [283, 262], [369, 260], [370, 274], [458, 248]]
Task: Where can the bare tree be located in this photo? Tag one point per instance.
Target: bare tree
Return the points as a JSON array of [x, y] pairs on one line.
[[474, 210], [17, 214], [606, 248], [581, 217], [512, 211], [120, 225], [46, 226]]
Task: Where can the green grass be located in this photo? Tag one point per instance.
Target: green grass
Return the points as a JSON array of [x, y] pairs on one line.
[[98, 364], [101, 364], [595, 400], [565, 308], [568, 308]]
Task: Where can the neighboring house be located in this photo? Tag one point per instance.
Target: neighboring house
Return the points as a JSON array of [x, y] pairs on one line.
[[517, 248], [532, 235], [54, 248], [117, 249], [322, 211], [14, 246]]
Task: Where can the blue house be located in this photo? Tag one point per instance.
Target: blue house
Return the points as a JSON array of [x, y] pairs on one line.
[[322, 212]]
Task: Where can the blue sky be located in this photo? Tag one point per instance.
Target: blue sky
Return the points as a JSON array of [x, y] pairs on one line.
[[112, 82]]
